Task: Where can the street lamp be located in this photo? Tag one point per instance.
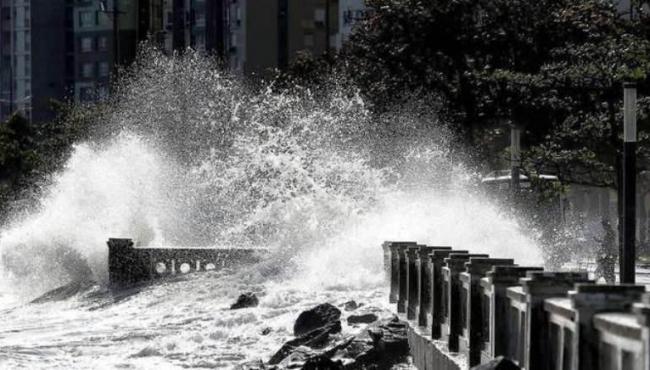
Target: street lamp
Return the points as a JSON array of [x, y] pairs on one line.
[[627, 259], [515, 158]]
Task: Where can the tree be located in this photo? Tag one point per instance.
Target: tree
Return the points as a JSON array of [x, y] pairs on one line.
[[554, 67], [30, 152], [19, 160], [450, 47]]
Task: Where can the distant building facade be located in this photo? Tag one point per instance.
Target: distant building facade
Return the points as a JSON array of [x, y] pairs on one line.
[[263, 36], [32, 31], [67, 49], [350, 13], [196, 24], [90, 55]]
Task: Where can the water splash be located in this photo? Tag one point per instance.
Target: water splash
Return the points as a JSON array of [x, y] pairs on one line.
[[188, 155]]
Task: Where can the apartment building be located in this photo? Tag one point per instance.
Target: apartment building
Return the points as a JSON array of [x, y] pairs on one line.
[[89, 57], [196, 24], [263, 36], [31, 31], [67, 49]]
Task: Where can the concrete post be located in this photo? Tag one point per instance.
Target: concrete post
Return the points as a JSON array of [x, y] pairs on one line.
[[451, 326], [402, 275], [539, 286], [472, 310], [589, 299], [642, 312], [423, 310], [495, 331], [385, 246], [125, 264], [412, 282], [395, 248], [436, 310]]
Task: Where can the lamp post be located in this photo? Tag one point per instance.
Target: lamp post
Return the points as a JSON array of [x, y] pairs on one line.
[[327, 27], [627, 259], [515, 159]]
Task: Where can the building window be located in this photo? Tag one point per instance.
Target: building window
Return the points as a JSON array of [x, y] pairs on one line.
[[104, 69], [102, 93], [309, 41], [86, 94], [102, 43], [87, 70], [27, 18], [319, 15], [87, 19], [86, 44]]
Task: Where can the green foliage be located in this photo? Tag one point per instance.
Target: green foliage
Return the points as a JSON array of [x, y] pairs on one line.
[[19, 160], [555, 67], [30, 152]]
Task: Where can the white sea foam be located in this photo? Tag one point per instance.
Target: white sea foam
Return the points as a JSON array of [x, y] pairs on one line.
[[196, 159]]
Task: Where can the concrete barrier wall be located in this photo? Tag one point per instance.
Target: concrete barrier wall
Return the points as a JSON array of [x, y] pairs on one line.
[[465, 310], [128, 264]]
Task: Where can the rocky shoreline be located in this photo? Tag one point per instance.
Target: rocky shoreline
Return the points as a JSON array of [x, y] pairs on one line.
[[318, 343]]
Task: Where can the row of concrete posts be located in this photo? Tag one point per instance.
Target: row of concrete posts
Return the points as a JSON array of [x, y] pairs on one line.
[[467, 309]]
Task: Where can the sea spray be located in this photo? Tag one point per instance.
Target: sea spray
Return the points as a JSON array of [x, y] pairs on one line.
[[188, 156], [108, 189], [184, 154]]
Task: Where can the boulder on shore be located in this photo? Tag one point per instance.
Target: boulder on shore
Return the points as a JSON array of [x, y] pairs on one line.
[[245, 300], [316, 338], [351, 305], [383, 345], [315, 318], [362, 319]]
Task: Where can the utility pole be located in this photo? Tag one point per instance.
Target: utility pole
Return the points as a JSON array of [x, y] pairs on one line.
[[327, 28], [116, 35], [627, 259], [515, 159]]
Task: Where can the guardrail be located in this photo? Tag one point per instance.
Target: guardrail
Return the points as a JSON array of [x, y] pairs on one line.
[[466, 309]]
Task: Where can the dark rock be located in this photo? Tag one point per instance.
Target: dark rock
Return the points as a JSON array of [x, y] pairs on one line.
[[390, 338], [321, 363], [316, 317], [305, 357], [245, 300], [499, 363], [316, 338], [350, 305], [382, 346], [362, 319], [360, 351], [266, 331]]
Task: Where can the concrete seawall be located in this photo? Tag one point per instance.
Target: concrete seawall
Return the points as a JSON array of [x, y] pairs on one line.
[[467, 311]]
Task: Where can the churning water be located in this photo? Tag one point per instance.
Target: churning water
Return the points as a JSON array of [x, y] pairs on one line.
[[186, 155]]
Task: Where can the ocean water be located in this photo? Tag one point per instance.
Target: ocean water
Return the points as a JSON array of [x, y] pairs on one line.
[[186, 155]]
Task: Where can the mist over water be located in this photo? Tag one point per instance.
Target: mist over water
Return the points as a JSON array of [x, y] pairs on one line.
[[187, 155]]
